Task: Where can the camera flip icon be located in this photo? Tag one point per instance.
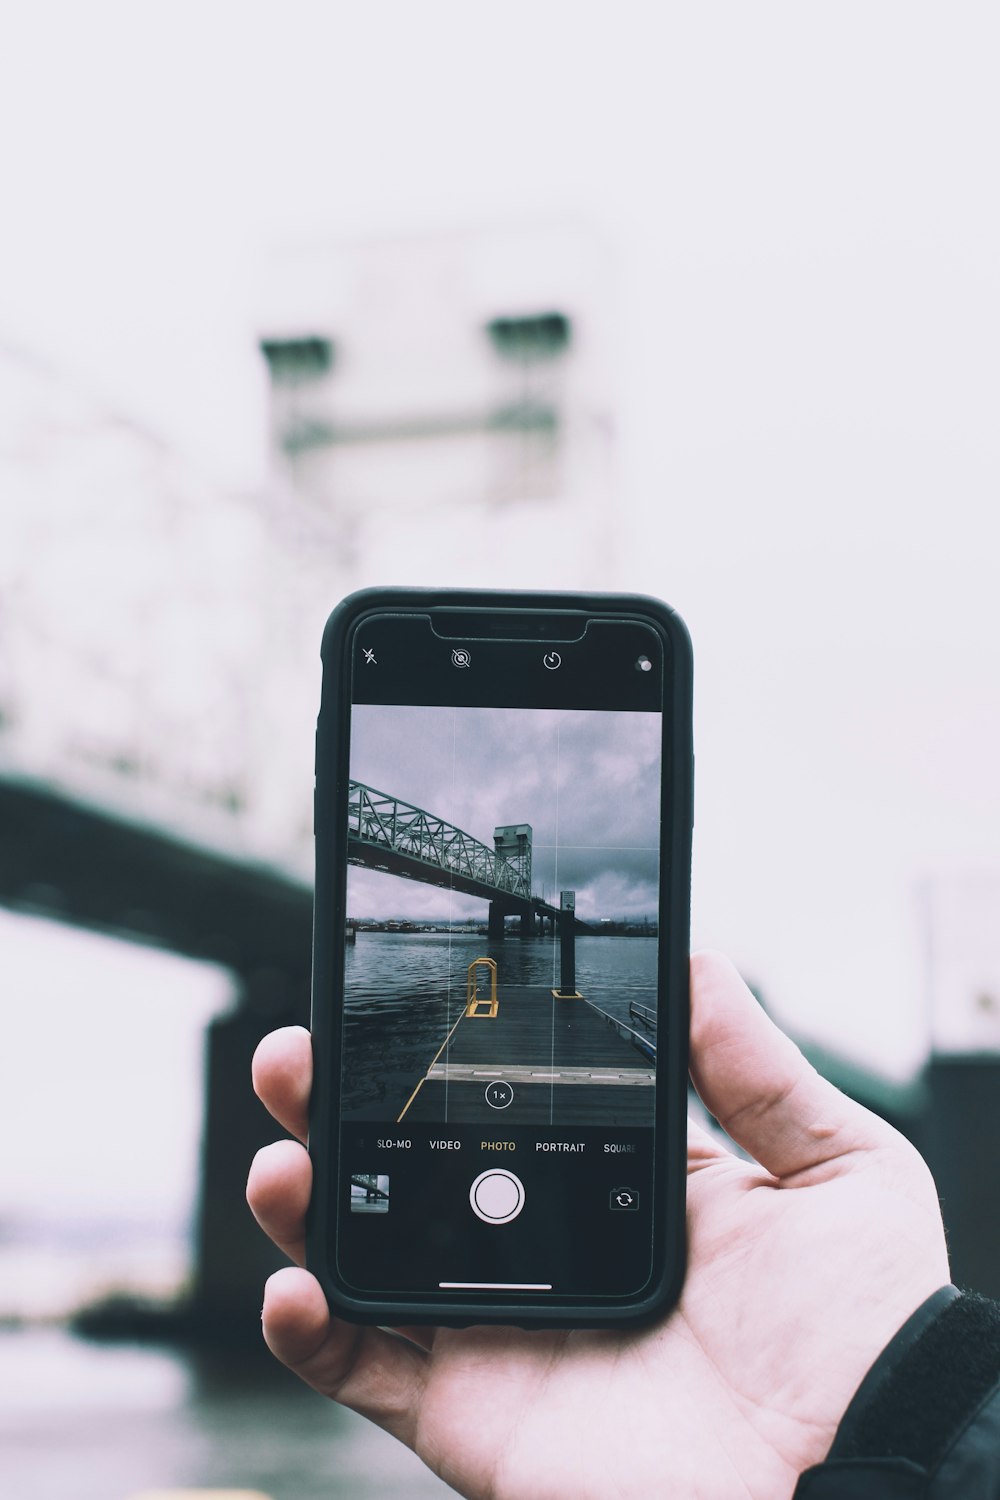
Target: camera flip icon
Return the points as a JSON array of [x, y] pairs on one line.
[[624, 1200]]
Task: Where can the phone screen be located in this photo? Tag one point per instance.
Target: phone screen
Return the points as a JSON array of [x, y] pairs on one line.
[[501, 961]]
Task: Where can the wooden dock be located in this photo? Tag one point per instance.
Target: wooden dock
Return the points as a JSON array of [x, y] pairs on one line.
[[542, 1060]]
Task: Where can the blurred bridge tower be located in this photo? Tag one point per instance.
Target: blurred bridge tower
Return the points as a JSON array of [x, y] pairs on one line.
[[444, 403]]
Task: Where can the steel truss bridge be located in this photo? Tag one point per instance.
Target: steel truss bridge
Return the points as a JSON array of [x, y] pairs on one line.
[[386, 833]]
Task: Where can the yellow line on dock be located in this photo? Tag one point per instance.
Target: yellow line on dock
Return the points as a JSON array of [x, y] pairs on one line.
[[409, 1101], [434, 1059]]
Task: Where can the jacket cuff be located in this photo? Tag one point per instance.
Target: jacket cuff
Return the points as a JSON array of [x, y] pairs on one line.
[[916, 1401], [887, 1378], [863, 1479]]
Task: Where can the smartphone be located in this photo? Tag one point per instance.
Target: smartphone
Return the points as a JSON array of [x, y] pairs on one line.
[[500, 984]]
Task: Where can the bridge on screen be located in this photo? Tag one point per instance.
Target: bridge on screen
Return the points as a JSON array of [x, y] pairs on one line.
[[385, 833]]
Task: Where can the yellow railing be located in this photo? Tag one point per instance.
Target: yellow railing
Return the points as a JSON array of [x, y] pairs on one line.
[[474, 1002]]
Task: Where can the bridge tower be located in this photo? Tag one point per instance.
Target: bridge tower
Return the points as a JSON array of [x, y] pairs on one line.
[[512, 841]]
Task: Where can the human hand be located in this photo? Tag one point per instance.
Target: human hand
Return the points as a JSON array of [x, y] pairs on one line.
[[802, 1264]]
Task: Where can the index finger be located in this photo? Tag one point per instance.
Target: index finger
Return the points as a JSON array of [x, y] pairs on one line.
[[282, 1077]]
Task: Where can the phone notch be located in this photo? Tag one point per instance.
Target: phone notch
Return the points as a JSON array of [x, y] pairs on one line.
[[508, 625]]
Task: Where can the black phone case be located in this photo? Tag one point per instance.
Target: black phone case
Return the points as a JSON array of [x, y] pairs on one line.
[[332, 774]]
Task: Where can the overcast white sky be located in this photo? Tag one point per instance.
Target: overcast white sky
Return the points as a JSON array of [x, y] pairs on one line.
[[801, 204]]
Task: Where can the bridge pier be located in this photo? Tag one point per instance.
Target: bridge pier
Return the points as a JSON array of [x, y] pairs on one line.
[[495, 922], [85, 865], [528, 925]]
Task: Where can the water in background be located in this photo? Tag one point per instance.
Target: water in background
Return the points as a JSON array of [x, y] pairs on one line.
[[405, 989], [107, 1422]]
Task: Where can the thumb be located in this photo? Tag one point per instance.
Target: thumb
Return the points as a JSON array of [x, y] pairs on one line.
[[760, 1088]]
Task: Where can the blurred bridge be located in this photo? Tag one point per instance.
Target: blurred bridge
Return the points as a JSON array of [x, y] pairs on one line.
[[76, 861]]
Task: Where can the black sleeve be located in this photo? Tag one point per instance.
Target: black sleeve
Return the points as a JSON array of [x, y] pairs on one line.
[[925, 1421]]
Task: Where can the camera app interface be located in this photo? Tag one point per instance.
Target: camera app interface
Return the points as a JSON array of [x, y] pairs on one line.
[[500, 974]]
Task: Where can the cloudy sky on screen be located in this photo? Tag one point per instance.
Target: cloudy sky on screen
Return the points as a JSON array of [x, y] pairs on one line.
[[588, 784]]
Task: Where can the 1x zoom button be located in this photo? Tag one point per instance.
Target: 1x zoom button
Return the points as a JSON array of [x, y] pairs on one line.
[[496, 1196]]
